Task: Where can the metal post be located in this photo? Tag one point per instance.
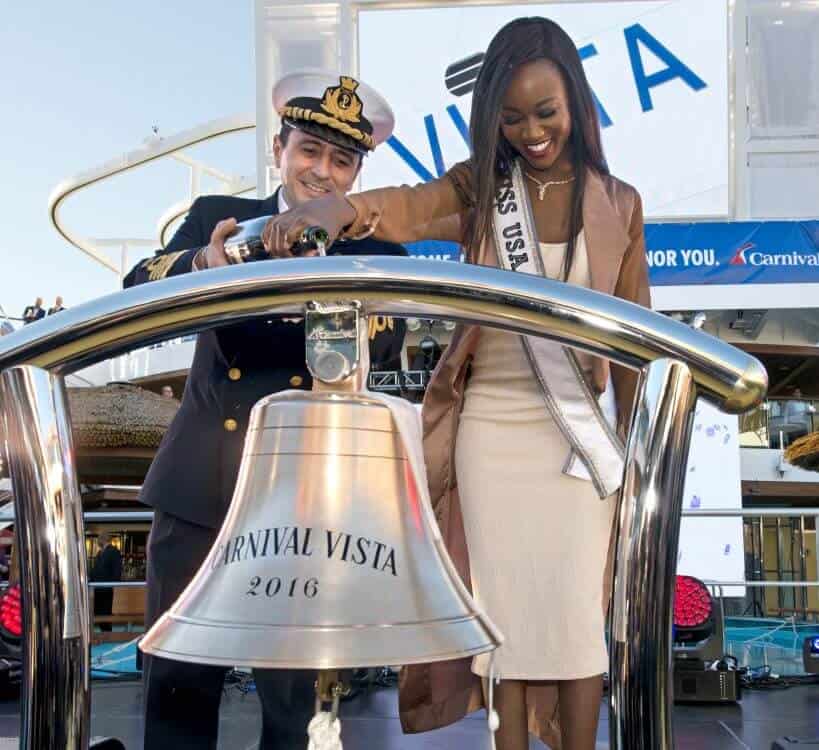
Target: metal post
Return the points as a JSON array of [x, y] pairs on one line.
[[646, 562], [55, 705], [764, 603], [762, 575], [779, 569], [803, 568]]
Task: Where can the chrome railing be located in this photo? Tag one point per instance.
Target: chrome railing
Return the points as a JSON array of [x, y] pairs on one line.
[[677, 364]]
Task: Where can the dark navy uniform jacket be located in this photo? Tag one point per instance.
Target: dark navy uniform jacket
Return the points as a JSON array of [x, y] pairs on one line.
[[195, 469]]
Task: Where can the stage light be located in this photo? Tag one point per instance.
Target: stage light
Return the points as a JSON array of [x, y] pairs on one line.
[[11, 616], [810, 654], [693, 610], [702, 672]]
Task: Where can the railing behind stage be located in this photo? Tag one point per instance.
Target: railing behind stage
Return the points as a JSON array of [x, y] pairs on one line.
[[720, 589], [677, 365], [745, 651]]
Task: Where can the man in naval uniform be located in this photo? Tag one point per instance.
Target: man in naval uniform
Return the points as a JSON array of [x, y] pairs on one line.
[[329, 123]]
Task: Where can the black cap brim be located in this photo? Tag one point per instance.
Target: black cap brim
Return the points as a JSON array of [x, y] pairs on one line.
[[328, 134]]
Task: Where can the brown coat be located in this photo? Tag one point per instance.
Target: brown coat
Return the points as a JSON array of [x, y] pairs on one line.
[[434, 695]]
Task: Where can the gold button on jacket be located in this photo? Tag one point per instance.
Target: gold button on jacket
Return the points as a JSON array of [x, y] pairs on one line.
[[234, 373], [296, 381], [231, 425]]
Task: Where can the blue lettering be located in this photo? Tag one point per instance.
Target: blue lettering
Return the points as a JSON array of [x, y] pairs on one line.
[[585, 52], [413, 162], [675, 68], [459, 122], [409, 159], [434, 145]]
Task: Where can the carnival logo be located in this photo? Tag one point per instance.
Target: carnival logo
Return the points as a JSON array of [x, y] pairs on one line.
[[739, 258], [744, 257]]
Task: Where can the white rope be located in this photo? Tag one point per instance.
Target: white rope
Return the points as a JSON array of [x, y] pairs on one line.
[[324, 732], [492, 716], [769, 634]]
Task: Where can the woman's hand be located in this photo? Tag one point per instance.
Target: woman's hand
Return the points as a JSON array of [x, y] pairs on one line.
[[332, 213]]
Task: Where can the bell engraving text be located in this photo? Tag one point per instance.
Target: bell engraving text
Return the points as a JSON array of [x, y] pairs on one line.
[[273, 586], [361, 551], [298, 541]]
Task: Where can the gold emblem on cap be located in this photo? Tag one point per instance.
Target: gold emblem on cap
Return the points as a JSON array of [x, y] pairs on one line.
[[342, 102]]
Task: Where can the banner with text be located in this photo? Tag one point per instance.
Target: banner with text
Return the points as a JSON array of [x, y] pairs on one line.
[[712, 253], [740, 252], [658, 88]]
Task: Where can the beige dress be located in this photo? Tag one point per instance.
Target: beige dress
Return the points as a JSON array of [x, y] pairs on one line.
[[537, 538]]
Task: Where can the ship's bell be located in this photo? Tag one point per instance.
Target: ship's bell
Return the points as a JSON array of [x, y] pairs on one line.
[[330, 556]]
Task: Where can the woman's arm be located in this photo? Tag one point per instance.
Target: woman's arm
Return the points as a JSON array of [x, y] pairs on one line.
[[632, 283], [431, 210]]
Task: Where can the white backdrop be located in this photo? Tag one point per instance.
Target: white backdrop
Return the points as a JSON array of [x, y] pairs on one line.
[[676, 153], [713, 548]]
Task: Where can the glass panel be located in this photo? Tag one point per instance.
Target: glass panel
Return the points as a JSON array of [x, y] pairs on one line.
[[794, 420], [783, 68], [753, 429], [784, 186]]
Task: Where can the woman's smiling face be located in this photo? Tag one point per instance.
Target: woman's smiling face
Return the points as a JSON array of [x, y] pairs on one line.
[[535, 118]]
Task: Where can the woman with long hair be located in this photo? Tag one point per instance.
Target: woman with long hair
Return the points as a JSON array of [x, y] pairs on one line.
[[517, 480]]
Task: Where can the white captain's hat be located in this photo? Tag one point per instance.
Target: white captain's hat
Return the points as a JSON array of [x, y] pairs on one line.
[[337, 108]]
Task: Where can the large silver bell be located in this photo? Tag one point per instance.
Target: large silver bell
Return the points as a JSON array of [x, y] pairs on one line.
[[329, 556]]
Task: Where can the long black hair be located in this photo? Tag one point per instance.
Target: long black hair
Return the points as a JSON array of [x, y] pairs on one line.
[[519, 42]]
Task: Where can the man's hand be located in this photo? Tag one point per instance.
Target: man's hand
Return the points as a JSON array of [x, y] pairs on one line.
[[215, 251], [331, 213]]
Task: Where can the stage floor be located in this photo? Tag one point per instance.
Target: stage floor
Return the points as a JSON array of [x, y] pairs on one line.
[[370, 722]]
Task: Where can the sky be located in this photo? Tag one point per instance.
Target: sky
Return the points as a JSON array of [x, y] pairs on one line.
[[86, 81]]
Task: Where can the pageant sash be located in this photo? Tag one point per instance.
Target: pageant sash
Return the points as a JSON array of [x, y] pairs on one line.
[[596, 452]]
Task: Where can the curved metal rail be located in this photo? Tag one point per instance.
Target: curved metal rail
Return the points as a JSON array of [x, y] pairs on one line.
[[151, 151], [677, 363], [579, 317]]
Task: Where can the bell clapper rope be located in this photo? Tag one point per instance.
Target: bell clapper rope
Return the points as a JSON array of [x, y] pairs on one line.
[[492, 716], [324, 730]]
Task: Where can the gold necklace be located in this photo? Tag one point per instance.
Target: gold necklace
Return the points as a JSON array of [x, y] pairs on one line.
[[542, 186]]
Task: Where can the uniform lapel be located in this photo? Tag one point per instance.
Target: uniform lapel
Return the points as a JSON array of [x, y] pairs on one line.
[[270, 205]]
